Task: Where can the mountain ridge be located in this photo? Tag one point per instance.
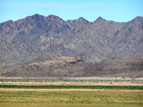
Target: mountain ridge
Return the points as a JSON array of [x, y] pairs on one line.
[[38, 37], [98, 18]]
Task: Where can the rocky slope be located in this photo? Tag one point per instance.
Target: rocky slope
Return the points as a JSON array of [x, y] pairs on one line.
[[64, 66], [37, 37]]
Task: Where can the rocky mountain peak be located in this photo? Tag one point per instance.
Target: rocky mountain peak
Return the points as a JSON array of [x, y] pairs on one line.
[[99, 19], [34, 17], [55, 18], [82, 20], [138, 19], [30, 20], [9, 22]]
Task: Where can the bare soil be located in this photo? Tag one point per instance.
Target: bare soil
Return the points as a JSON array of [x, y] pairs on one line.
[[68, 90], [73, 83]]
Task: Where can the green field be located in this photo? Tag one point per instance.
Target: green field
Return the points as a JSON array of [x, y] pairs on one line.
[[105, 96], [71, 99], [72, 87]]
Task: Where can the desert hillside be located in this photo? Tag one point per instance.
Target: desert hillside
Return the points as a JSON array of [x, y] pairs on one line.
[[64, 66], [37, 37]]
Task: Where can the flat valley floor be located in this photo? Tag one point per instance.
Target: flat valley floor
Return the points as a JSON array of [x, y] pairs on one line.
[[23, 97]]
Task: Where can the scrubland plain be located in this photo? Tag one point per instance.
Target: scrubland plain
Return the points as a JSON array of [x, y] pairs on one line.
[[70, 95]]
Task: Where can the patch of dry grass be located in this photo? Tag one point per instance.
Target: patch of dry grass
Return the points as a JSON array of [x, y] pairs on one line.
[[71, 98], [73, 83]]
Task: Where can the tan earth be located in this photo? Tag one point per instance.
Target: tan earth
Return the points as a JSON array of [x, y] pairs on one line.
[[68, 90], [73, 83]]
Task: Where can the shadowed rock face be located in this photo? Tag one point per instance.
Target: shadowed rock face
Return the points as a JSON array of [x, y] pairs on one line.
[[37, 37]]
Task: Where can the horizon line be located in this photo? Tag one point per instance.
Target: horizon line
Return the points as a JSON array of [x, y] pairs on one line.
[[70, 19]]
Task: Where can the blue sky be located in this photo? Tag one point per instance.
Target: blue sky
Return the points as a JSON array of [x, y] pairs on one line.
[[117, 10]]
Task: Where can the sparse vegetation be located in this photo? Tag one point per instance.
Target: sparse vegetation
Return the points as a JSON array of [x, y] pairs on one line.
[[72, 87], [77, 68], [71, 99]]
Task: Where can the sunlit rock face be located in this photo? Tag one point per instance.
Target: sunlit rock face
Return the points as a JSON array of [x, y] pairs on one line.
[[37, 37]]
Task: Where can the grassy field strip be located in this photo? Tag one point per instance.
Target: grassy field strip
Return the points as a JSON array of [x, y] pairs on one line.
[[71, 99], [64, 105], [72, 87]]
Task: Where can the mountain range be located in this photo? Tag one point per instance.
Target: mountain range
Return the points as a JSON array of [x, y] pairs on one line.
[[38, 37]]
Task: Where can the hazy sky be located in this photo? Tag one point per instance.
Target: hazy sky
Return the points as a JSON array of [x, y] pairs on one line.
[[117, 10]]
